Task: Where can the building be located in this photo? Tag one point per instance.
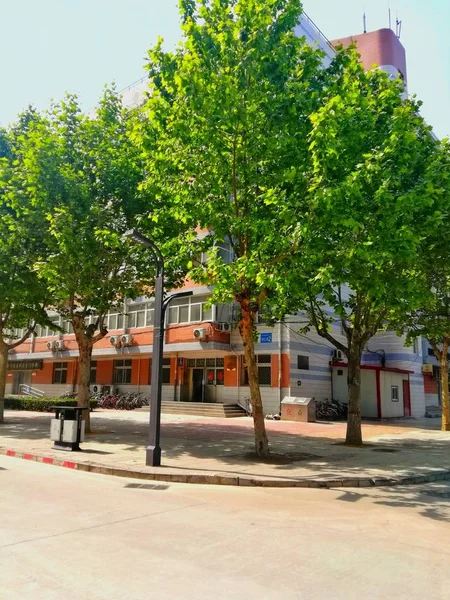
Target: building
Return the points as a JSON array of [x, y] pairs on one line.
[[203, 353]]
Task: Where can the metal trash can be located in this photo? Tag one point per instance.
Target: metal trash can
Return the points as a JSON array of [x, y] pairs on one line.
[[67, 427], [298, 409]]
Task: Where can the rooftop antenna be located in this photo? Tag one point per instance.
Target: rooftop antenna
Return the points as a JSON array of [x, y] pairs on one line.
[[398, 28], [390, 21], [364, 22]]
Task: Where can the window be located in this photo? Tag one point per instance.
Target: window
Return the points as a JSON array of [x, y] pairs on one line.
[[340, 372], [430, 352], [416, 346], [394, 393], [60, 372], [122, 371], [114, 321], [93, 373], [214, 371], [264, 363], [189, 310], [166, 371], [141, 315], [303, 362]]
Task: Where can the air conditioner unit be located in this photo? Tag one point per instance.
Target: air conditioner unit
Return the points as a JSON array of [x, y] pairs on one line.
[[105, 389], [51, 346], [224, 326], [114, 340], [426, 368], [337, 355], [200, 333], [59, 345], [126, 339]]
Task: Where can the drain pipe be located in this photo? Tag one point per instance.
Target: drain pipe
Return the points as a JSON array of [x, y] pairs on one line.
[[176, 378], [238, 378]]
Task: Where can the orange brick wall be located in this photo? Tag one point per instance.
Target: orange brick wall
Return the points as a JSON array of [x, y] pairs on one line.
[[105, 372], [45, 375], [285, 370], [430, 384]]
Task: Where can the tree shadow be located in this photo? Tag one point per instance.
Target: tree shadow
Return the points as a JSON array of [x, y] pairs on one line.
[[194, 444], [432, 500]]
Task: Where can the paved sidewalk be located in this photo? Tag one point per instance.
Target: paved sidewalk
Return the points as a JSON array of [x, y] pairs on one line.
[[206, 450]]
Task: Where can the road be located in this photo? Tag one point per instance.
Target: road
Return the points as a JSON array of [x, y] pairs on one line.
[[71, 535]]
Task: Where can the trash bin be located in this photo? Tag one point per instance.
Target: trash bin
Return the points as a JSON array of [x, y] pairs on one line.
[[67, 427], [298, 409]]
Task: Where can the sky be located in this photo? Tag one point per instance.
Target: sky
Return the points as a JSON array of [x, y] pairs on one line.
[[49, 47]]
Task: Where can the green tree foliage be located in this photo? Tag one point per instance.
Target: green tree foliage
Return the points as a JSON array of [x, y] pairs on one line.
[[81, 176], [432, 318], [23, 298], [227, 143], [370, 149]]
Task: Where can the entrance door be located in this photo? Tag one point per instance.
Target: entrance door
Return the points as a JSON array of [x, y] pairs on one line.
[[197, 385], [406, 398], [20, 378]]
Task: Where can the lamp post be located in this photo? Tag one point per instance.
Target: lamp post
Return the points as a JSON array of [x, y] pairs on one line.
[[153, 452]]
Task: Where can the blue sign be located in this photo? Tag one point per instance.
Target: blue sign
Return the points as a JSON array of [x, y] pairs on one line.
[[265, 338]]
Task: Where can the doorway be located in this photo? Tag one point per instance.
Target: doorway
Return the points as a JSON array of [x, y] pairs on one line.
[[20, 378], [197, 385]]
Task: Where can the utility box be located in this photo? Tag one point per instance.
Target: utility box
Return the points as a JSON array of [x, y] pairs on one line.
[[67, 427], [298, 409]]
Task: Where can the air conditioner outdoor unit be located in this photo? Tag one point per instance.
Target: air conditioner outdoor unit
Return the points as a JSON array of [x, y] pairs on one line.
[[224, 326], [51, 346], [114, 340], [59, 345], [105, 389], [426, 368], [200, 333], [126, 339], [337, 355]]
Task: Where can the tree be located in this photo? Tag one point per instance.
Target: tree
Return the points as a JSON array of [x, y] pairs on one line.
[[370, 150], [432, 317], [81, 174], [227, 136], [23, 297]]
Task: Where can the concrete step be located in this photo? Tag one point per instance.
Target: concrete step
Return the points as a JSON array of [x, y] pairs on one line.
[[200, 409]]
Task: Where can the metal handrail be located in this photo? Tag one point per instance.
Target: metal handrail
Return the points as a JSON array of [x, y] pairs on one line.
[[27, 390]]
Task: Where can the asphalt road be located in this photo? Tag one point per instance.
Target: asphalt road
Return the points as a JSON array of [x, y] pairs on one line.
[[69, 535]]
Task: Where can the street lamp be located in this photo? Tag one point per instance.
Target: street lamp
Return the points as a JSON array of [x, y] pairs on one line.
[[153, 453]]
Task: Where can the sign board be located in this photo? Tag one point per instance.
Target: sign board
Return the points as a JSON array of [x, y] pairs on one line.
[[265, 338], [25, 365]]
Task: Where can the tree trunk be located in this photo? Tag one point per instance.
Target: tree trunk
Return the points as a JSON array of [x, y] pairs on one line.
[[3, 376], [246, 331], [444, 388], [84, 371], [354, 433]]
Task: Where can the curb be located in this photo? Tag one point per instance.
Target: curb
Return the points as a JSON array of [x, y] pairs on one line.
[[219, 479]]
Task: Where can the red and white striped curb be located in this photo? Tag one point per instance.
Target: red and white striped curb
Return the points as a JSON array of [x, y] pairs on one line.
[[164, 474]]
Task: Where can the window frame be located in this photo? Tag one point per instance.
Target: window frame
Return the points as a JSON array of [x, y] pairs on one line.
[[59, 375], [262, 368], [306, 359], [124, 366]]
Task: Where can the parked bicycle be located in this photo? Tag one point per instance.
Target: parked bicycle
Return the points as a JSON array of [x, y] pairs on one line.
[[331, 409]]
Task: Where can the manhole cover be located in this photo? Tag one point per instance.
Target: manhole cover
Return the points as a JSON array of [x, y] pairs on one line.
[[146, 486]]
